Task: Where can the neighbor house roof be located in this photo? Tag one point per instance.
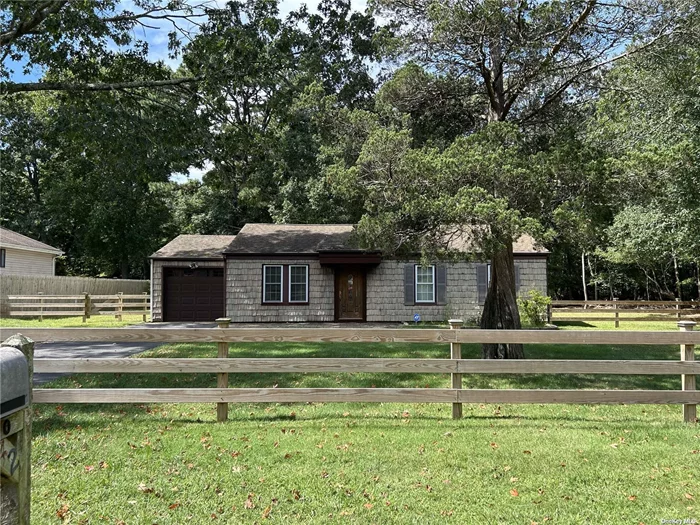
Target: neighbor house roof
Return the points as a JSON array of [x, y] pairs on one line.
[[10, 239], [293, 239], [195, 247]]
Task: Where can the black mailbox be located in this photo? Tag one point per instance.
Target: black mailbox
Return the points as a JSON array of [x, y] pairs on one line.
[[14, 381]]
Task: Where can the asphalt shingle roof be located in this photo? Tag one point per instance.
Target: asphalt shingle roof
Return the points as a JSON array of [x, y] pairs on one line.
[[293, 238], [10, 238], [195, 247]]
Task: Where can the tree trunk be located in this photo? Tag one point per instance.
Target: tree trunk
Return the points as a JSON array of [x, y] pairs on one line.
[[583, 278], [125, 269], [679, 287], [501, 306], [697, 277]]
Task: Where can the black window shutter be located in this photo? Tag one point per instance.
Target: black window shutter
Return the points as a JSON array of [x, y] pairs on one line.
[[482, 284], [517, 279], [409, 287], [441, 287]]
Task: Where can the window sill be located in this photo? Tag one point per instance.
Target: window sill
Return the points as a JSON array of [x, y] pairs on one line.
[[284, 304]]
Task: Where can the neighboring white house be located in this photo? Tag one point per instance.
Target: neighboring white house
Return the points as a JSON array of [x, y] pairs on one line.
[[22, 255]]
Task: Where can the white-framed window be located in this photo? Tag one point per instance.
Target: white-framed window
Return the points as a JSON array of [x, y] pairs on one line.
[[272, 283], [425, 284], [298, 283], [2, 257]]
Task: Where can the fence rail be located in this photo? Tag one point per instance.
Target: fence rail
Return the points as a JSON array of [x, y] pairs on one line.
[[83, 305], [687, 367], [627, 311]]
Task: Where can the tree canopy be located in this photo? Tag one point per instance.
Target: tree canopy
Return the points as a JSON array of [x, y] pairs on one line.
[[574, 121]]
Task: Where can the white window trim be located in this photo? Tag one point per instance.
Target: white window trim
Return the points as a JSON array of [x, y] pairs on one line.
[[415, 283], [289, 287], [265, 267]]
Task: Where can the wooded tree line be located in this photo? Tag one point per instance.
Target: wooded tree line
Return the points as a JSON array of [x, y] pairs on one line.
[[576, 121]]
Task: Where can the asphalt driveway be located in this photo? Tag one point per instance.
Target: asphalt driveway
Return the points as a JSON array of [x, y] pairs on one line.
[[100, 350], [77, 350]]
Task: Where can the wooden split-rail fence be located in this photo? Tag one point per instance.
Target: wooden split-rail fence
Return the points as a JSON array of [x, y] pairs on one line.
[[686, 366], [83, 305], [623, 311]]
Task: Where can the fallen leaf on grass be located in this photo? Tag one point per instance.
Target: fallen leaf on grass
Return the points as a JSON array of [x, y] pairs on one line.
[[249, 502], [174, 505], [632, 498], [688, 496], [296, 494], [514, 493], [89, 468], [368, 505], [266, 512], [62, 512], [526, 452], [143, 488]]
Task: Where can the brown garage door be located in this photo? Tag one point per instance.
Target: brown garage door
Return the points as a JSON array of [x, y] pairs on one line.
[[193, 294]]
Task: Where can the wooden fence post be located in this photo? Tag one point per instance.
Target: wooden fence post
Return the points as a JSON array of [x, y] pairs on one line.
[[617, 313], [222, 379], [687, 380], [549, 313], [86, 306], [145, 305], [678, 307], [41, 306], [456, 353], [120, 306]]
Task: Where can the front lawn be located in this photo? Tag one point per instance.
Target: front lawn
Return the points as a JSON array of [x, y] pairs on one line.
[[367, 463]]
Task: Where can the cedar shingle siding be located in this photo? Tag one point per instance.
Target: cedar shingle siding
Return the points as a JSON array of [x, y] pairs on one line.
[[385, 291], [460, 288]]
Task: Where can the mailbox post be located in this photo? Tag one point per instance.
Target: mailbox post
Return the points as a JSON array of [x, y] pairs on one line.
[[15, 400]]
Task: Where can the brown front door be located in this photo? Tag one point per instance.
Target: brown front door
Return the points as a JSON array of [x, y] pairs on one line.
[[350, 294]]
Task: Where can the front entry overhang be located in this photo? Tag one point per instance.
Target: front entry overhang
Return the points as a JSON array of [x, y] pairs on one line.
[[345, 258]]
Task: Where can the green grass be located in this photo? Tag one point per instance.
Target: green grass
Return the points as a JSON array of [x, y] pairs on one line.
[[367, 463], [624, 326], [95, 321]]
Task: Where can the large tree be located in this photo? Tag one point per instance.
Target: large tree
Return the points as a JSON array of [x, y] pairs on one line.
[[79, 173], [271, 90], [527, 59], [84, 40]]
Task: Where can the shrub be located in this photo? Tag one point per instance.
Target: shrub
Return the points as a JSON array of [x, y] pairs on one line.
[[533, 308]]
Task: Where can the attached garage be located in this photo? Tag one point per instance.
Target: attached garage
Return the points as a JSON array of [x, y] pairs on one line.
[[188, 279], [193, 294]]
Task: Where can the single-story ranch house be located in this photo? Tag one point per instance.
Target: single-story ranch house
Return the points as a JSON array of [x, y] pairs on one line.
[[311, 272]]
